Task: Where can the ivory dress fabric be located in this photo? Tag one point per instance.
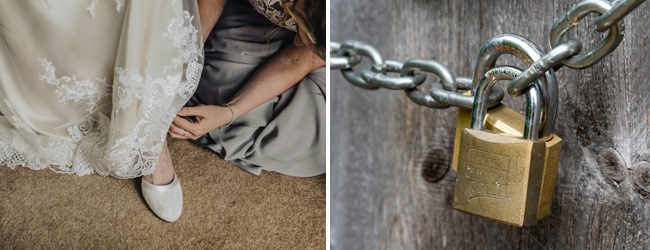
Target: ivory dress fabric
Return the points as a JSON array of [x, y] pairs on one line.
[[91, 86], [285, 134]]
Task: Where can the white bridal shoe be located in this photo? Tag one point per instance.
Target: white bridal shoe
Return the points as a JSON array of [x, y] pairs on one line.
[[165, 201]]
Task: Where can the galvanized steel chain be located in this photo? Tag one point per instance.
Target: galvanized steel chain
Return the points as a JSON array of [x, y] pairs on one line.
[[412, 73], [443, 94]]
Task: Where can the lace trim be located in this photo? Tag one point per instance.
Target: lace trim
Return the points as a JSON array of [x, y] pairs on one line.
[[193, 75], [68, 88], [23, 147], [272, 10], [91, 138], [184, 38], [16, 150], [131, 87]]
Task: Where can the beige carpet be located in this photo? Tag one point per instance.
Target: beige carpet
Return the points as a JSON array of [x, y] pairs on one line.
[[225, 208]]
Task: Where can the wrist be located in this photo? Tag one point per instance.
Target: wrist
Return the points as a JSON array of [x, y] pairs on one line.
[[235, 107], [232, 114]]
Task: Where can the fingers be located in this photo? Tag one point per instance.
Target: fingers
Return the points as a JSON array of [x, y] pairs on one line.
[[183, 127], [183, 123], [191, 111], [204, 122], [178, 133]]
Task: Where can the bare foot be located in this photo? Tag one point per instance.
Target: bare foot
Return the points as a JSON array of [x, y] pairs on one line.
[[163, 174]]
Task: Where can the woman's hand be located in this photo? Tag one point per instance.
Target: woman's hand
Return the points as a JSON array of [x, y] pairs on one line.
[[208, 117]]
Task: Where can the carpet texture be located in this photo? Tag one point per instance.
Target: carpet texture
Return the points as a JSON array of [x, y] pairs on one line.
[[224, 208]]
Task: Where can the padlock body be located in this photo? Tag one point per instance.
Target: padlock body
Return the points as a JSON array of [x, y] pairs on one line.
[[500, 118], [499, 177], [549, 176]]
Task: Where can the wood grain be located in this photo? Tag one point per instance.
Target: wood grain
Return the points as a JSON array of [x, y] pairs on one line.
[[385, 149]]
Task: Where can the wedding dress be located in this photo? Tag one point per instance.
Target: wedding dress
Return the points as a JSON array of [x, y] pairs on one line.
[[91, 86]]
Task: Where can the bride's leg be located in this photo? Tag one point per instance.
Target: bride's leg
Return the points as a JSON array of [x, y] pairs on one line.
[[161, 191], [164, 171]]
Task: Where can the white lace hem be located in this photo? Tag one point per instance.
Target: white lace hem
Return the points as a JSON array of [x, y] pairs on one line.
[[123, 145]]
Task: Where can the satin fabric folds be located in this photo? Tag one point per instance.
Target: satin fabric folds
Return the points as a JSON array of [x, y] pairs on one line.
[[286, 134], [91, 86]]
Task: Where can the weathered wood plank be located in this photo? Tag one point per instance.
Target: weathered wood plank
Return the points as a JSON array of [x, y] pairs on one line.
[[384, 148]]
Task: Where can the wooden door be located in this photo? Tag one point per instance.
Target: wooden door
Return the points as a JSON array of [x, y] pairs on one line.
[[386, 151]]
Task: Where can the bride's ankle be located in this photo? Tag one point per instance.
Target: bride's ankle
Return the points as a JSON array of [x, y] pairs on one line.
[[159, 179], [163, 173]]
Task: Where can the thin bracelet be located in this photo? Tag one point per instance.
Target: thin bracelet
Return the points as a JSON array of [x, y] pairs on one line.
[[232, 112]]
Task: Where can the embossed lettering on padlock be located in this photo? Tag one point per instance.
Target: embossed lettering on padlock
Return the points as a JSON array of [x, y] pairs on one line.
[[499, 118], [499, 175]]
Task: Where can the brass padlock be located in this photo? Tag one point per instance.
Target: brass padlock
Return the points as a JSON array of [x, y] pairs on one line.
[[503, 119], [499, 175]]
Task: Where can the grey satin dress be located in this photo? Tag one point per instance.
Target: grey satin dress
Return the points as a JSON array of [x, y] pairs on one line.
[[285, 134]]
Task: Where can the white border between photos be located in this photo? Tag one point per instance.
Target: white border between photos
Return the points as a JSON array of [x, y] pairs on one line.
[[327, 133]]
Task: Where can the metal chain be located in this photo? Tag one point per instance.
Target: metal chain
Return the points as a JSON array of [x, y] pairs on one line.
[[443, 94], [412, 73]]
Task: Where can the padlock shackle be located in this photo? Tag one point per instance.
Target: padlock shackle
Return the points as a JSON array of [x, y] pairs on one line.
[[528, 52], [533, 100]]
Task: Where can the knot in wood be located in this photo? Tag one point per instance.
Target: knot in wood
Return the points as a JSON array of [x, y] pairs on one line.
[[435, 165], [611, 164]]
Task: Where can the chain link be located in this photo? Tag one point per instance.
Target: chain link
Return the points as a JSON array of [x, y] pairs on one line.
[[389, 82], [551, 60], [342, 62], [572, 18], [616, 14], [460, 100], [443, 94]]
